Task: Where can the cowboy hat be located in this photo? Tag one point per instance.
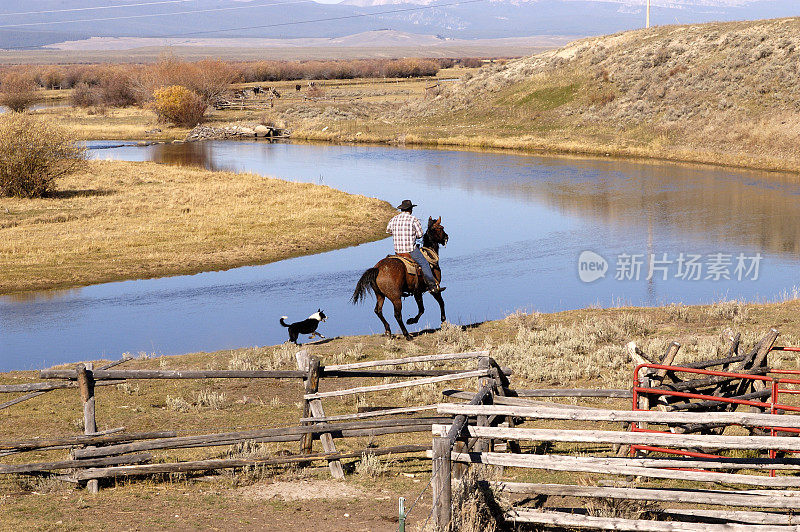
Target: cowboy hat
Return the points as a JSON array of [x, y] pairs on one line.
[[406, 205]]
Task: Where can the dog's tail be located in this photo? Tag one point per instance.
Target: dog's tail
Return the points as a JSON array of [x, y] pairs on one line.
[[283, 322], [365, 284]]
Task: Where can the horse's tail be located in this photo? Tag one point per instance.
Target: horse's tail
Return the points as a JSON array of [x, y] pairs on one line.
[[365, 284]]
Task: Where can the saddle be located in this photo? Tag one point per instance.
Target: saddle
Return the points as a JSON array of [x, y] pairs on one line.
[[412, 268]]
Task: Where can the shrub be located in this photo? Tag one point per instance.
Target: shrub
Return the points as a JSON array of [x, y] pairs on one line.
[[212, 78], [599, 97], [18, 91], [116, 88], [410, 68], [178, 404], [471, 62], [315, 91], [179, 105], [208, 79], [52, 78], [371, 467], [84, 95], [211, 399], [34, 153]]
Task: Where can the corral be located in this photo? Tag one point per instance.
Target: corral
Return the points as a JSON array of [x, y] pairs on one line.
[[695, 403]]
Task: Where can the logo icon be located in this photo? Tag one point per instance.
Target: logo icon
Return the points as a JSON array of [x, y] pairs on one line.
[[591, 266]]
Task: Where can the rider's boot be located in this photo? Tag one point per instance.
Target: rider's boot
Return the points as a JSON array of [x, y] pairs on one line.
[[436, 288]]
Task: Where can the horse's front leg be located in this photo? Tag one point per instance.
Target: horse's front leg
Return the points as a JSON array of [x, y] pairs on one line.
[[420, 309], [398, 315], [438, 297]]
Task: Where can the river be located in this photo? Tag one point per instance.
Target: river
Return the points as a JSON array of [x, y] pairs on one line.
[[517, 224]]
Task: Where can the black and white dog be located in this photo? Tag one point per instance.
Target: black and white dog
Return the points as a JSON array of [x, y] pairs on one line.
[[307, 326]]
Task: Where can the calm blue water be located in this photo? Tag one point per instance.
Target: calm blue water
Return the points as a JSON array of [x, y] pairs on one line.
[[517, 226]]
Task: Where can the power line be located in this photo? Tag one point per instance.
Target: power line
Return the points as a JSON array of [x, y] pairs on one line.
[[93, 8], [291, 23], [326, 19], [150, 15]]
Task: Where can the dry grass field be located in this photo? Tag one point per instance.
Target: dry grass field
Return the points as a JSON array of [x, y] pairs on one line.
[[118, 220], [344, 105], [720, 93], [581, 348]]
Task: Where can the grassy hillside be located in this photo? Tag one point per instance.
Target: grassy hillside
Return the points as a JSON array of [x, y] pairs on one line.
[[717, 92], [722, 93]]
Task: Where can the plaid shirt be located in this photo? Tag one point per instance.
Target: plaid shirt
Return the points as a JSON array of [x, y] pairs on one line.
[[406, 229]]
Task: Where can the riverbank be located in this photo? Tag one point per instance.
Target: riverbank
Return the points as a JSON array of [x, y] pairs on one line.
[[580, 348], [123, 220], [347, 118], [717, 93]]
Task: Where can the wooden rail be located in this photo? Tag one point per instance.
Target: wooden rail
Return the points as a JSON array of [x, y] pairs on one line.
[[396, 385], [118, 374], [543, 412], [409, 360], [581, 464], [776, 499], [641, 438], [207, 465], [567, 520], [94, 456]]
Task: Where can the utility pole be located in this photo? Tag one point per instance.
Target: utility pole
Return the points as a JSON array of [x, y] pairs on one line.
[[648, 14]]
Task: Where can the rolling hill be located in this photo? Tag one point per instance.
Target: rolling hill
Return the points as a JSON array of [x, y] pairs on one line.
[[719, 92]]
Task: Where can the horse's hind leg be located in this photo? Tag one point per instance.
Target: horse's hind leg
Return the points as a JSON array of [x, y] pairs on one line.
[[398, 315], [379, 311], [420, 309]]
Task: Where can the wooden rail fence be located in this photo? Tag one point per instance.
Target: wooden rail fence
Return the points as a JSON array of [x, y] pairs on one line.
[[95, 455], [698, 474]]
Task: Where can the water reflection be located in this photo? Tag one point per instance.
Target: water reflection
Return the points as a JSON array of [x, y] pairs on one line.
[[755, 209], [54, 104], [188, 154], [44, 295], [516, 223]]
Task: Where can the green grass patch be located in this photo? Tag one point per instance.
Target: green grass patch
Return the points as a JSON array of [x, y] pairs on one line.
[[541, 99]]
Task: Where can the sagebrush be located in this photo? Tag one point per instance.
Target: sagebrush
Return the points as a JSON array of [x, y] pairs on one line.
[[34, 154]]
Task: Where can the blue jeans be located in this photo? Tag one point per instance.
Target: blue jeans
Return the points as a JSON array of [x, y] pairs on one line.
[[427, 273]]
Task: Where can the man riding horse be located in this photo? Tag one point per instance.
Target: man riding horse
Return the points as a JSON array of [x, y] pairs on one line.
[[406, 229], [396, 276]]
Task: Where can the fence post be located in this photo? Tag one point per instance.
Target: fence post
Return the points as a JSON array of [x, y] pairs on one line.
[[313, 408], [483, 444], [442, 494], [501, 383], [86, 386], [402, 513], [312, 385]]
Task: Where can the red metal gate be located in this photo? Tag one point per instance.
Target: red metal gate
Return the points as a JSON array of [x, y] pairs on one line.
[[772, 379]]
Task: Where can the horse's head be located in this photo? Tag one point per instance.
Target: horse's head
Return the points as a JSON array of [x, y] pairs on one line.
[[436, 232]]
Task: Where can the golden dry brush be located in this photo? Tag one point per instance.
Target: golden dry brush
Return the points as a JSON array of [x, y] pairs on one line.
[[34, 154], [179, 105]]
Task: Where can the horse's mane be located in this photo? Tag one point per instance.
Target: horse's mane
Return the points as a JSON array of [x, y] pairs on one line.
[[428, 242]]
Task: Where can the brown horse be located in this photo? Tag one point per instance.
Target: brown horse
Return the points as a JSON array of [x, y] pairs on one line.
[[389, 279]]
